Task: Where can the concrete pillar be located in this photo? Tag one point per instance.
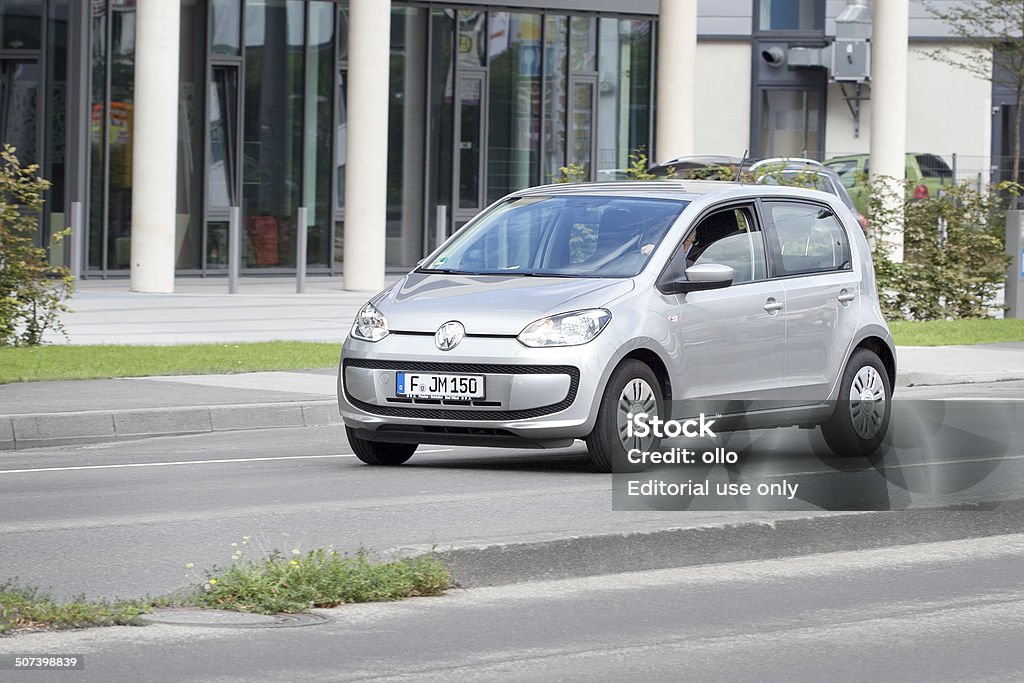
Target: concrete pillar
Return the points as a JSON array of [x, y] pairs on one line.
[[155, 145], [889, 106], [676, 89], [366, 170]]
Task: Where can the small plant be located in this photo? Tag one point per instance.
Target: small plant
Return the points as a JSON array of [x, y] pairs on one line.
[[317, 578], [638, 165], [32, 291], [26, 608], [953, 251], [573, 173]]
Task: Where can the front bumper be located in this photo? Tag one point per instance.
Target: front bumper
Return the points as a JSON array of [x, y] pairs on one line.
[[533, 397]]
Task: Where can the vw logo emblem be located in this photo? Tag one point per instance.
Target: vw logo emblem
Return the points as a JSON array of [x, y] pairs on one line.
[[449, 335]]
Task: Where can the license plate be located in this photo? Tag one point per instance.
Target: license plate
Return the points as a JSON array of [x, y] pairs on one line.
[[435, 385]]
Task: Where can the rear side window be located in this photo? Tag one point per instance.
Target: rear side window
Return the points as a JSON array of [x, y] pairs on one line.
[[933, 166], [846, 170], [808, 239]]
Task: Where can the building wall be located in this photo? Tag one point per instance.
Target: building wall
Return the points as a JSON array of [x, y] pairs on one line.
[[935, 122], [723, 98]]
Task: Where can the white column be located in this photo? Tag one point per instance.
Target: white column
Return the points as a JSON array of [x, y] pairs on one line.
[[366, 170], [889, 106], [155, 145], [677, 60]]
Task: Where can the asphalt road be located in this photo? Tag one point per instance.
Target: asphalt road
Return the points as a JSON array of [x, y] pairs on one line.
[[950, 611], [123, 519]]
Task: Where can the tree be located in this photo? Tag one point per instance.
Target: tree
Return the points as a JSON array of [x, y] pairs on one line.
[[996, 29]]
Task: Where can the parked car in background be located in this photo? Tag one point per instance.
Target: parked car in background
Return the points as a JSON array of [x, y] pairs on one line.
[[805, 173], [700, 167], [562, 312], [928, 172]]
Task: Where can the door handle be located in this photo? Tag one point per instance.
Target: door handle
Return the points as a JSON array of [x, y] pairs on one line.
[[772, 306], [846, 296]]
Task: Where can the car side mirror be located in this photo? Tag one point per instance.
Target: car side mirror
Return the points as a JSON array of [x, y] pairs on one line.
[[699, 278]]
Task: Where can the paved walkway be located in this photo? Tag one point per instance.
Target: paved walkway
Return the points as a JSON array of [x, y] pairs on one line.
[[56, 413], [201, 311]]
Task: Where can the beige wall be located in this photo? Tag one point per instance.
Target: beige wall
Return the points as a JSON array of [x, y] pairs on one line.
[[948, 111], [723, 98]]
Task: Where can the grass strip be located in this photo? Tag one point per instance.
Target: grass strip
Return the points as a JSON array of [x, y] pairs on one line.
[[26, 608], [31, 364], [956, 332], [274, 585], [319, 578]]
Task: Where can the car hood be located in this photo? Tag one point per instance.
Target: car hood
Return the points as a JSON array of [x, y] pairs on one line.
[[490, 304]]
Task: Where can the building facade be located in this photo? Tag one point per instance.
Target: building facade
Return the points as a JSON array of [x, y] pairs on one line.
[[484, 98]]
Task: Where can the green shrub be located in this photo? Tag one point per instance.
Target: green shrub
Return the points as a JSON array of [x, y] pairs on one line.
[[318, 578], [32, 292], [954, 257]]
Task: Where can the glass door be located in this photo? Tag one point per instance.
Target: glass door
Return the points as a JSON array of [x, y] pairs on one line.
[[469, 155], [790, 123], [222, 161]]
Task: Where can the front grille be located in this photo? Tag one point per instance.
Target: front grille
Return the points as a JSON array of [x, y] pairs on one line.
[[475, 368]]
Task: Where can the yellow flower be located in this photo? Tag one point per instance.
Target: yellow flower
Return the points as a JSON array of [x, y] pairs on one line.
[[296, 551], [213, 582], [189, 565], [294, 562]]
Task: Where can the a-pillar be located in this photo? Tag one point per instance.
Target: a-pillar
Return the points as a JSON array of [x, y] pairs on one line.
[[889, 112], [366, 170], [677, 58], [155, 145]]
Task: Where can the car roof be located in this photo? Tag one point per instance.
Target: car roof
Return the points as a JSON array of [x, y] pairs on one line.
[[689, 190]]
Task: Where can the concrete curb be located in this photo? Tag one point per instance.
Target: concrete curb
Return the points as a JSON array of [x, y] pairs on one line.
[[501, 563], [925, 379], [37, 430], [90, 426]]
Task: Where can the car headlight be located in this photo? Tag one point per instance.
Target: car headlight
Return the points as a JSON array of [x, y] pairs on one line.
[[566, 329], [370, 324]]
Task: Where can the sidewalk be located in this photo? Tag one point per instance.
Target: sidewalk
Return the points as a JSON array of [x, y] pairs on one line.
[[60, 413]]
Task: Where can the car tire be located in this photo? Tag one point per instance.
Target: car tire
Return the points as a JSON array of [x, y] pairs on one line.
[[863, 407], [379, 452], [632, 386]]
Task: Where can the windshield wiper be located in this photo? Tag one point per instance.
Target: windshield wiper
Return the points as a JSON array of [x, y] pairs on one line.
[[446, 271]]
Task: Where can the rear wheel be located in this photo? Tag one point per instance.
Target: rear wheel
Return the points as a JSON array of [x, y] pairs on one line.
[[633, 388], [379, 452], [861, 416]]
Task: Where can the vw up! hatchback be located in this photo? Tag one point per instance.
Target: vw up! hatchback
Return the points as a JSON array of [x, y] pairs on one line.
[[560, 311]]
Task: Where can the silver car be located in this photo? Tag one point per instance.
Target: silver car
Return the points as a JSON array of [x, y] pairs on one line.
[[562, 312]]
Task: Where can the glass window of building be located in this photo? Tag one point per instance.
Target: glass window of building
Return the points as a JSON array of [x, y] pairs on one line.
[[791, 15], [21, 24], [624, 100], [513, 144], [556, 81]]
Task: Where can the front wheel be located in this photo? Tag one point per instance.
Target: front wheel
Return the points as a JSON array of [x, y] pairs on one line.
[[864, 404], [379, 452], [632, 388]]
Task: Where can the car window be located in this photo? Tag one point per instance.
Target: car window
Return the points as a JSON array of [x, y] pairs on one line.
[[569, 236], [809, 239], [846, 170], [729, 238], [933, 166]]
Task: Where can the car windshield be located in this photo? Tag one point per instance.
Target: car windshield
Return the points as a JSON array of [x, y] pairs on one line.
[[560, 236]]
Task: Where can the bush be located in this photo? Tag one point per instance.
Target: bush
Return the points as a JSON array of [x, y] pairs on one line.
[[32, 292], [954, 257]]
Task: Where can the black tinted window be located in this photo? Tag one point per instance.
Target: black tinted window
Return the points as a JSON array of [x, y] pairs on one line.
[[933, 166]]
